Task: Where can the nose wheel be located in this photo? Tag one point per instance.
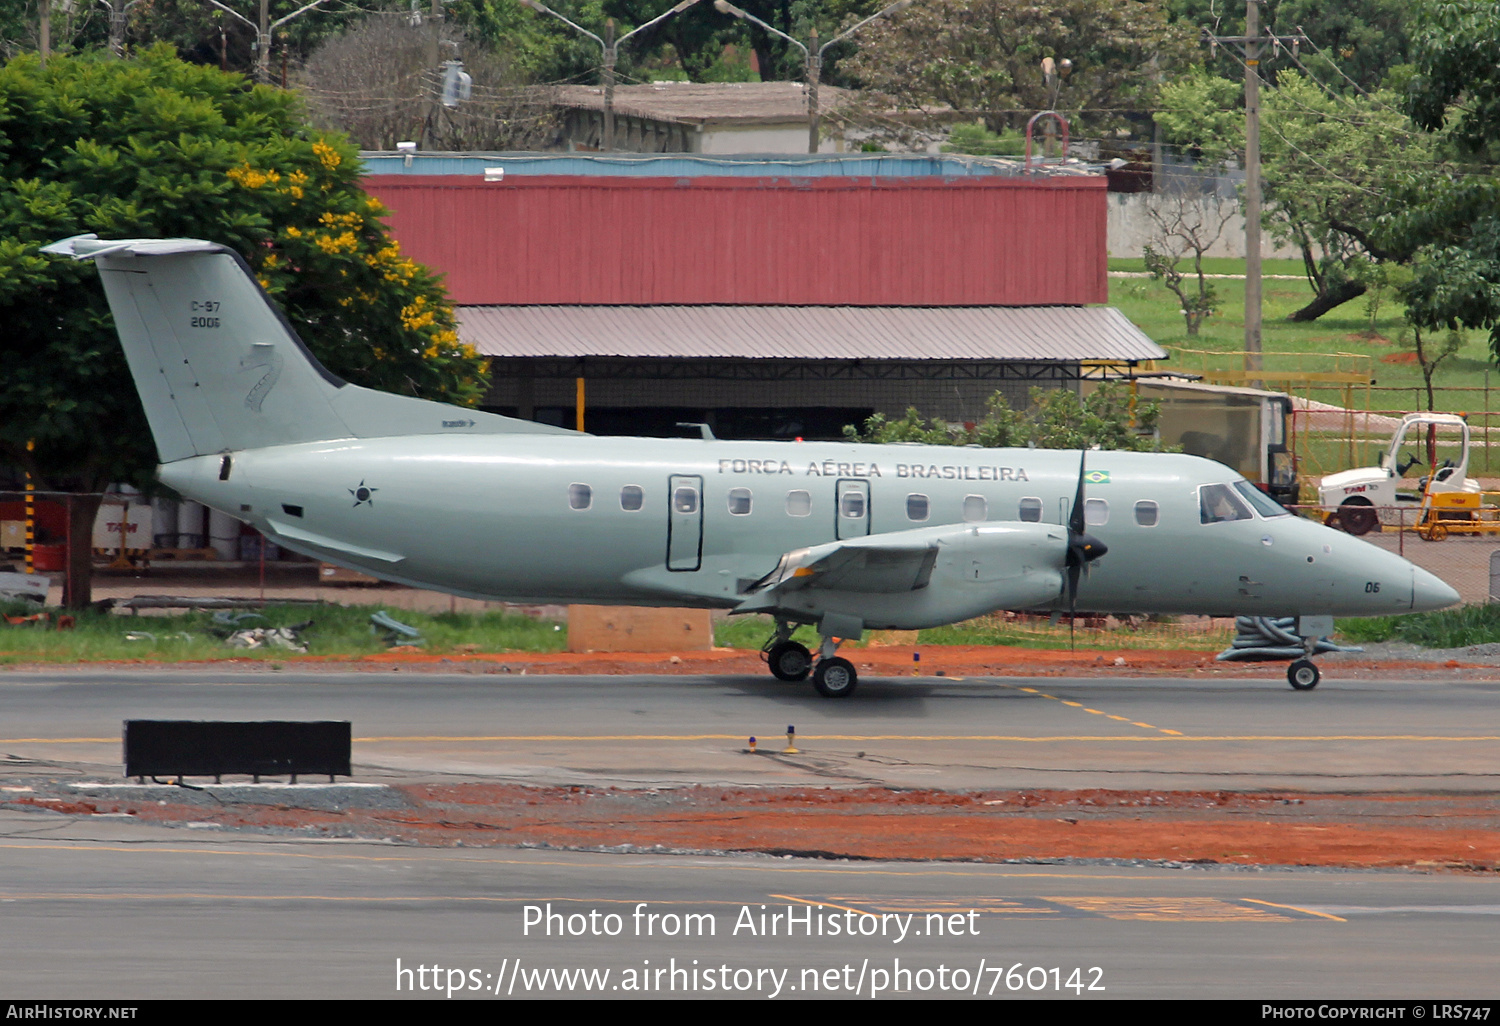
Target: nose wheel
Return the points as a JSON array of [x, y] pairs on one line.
[[1303, 675]]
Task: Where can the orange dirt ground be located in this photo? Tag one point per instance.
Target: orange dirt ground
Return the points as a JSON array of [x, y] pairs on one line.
[[1342, 830]]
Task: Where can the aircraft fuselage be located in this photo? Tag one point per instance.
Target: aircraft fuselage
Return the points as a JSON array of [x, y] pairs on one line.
[[607, 520]]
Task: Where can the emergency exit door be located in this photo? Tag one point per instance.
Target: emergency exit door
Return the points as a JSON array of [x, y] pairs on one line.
[[851, 508]]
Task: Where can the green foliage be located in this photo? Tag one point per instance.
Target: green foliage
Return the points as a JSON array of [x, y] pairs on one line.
[[983, 56], [1367, 40], [156, 147], [1456, 47], [1196, 305], [1056, 419], [980, 141], [336, 631], [1448, 628], [1333, 167]]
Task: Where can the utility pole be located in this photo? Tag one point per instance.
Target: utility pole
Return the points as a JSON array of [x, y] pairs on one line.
[[812, 53], [263, 31], [611, 47], [1250, 44], [118, 12]]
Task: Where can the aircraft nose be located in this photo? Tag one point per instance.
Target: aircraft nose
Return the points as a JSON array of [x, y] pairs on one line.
[[1429, 592]]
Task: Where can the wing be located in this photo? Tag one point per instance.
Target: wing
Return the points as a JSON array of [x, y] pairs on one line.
[[918, 578]]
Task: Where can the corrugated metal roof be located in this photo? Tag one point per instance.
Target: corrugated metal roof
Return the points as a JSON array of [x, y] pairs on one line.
[[701, 102], [808, 332], [686, 165]]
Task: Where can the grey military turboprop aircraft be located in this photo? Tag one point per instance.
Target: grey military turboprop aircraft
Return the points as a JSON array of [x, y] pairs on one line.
[[843, 536]]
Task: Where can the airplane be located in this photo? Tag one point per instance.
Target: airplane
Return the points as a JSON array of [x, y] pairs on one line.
[[846, 537]]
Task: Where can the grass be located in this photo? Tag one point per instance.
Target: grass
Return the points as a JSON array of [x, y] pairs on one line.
[[1449, 628], [1345, 329], [346, 632], [335, 631], [1023, 632]]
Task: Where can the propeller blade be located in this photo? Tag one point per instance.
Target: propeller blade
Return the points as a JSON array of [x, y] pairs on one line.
[[1075, 518]]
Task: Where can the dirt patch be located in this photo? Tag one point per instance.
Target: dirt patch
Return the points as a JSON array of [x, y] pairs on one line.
[[1281, 828]]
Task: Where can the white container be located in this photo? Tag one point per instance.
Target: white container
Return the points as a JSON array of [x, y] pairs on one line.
[[190, 525], [224, 534], [164, 523]]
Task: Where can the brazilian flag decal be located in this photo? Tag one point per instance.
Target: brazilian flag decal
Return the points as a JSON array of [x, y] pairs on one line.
[[1097, 477]]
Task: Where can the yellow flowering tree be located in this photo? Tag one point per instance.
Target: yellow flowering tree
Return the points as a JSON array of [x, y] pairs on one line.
[[156, 147]]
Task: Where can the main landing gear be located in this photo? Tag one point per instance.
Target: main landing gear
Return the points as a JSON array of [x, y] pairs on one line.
[[788, 660]]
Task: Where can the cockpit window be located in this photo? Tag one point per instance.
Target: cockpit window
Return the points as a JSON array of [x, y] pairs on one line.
[[1263, 503], [1217, 503]]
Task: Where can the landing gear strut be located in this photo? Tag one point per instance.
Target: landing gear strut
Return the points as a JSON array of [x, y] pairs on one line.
[[1303, 674], [789, 660], [835, 676]]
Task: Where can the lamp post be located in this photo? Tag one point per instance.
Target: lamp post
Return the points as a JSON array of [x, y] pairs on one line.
[[813, 54], [118, 12], [611, 47], [263, 32]]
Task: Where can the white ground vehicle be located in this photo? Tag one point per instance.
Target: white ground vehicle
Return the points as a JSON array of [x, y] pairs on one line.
[[1351, 497]]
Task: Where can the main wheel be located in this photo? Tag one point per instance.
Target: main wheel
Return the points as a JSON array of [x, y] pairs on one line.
[[789, 660], [1356, 518], [835, 678], [1303, 675]]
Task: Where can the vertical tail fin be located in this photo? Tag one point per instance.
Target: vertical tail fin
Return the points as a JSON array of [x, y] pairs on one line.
[[219, 369]]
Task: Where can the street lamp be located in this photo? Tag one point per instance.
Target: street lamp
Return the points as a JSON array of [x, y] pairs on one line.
[[814, 57], [611, 48], [263, 32]]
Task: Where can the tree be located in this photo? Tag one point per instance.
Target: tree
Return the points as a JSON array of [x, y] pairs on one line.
[[1333, 166], [1186, 221], [156, 147], [372, 83], [983, 57], [1363, 39], [1056, 419], [1447, 224]]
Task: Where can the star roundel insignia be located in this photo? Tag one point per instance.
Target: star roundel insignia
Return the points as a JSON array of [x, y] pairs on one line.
[[363, 494]]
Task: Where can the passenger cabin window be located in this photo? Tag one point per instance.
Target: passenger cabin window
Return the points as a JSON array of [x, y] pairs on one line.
[[739, 501], [1217, 503], [632, 497], [1031, 510], [798, 503], [1146, 513], [916, 507], [1263, 503], [580, 496], [1096, 512], [975, 508], [852, 504], [685, 500]]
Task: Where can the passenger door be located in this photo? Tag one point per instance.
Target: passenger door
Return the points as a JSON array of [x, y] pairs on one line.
[[684, 522]]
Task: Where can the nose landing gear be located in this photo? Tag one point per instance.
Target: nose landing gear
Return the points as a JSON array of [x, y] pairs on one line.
[[1303, 675]]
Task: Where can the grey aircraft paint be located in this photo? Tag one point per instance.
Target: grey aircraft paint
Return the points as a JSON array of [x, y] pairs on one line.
[[849, 537]]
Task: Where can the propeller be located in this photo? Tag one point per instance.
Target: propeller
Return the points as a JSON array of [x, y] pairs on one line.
[[1083, 548]]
